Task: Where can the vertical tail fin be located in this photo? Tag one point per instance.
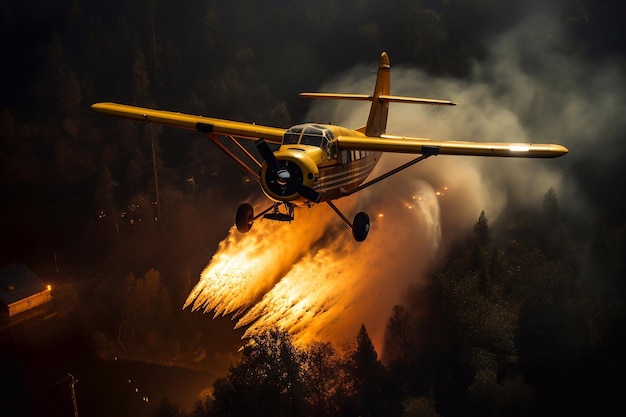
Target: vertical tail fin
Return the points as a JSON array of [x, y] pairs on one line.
[[377, 120]]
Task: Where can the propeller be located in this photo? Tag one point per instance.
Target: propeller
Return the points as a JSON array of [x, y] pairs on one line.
[[306, 192], [283, 175], [267, 154]]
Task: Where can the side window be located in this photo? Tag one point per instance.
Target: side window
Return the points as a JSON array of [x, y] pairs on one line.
[[331, 149], [291, 138], [344, 157], [312, 140]]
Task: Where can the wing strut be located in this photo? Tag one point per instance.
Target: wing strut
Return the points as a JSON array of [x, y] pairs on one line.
[[245, 151], [361, 225], [234, 157]]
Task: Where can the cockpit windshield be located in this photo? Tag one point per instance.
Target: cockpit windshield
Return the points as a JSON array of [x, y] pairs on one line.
[[292, 135], [312, 135]]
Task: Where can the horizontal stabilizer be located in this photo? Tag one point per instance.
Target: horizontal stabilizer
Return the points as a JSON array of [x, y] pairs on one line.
[[387, 98], [415, 100]]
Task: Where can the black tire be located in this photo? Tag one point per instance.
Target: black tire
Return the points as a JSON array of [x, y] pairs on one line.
[[360, 226], [244, 218]]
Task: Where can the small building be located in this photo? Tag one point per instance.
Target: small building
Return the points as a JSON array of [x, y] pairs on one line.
[[21, 290]]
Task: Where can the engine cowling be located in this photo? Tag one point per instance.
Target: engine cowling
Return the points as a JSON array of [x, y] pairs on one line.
[[294, 168]]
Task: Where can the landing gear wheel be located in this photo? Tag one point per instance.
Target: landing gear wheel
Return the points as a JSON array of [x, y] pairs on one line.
[[244, 218], [360, 226]]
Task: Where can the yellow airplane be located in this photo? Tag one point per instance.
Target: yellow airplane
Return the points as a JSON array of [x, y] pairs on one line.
[[317, 163]]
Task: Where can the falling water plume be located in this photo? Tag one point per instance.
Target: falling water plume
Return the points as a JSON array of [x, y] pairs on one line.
[[312, 279]]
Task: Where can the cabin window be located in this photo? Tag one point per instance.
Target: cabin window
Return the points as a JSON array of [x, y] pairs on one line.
[[291, 138], [326, 147], [344, 157], [331, 149], [311, 140], [292, 135]]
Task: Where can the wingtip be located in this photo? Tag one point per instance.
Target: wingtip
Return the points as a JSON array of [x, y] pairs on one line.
[[559, 149], [97, 107]]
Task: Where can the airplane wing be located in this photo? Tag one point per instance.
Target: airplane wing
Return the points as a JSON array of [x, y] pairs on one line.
[[402, 144], [202, 124]]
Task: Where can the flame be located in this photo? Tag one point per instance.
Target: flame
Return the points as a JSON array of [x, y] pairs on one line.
[[312, 279]]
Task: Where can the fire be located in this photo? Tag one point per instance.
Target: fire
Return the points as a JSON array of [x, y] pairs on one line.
[[312, 279]]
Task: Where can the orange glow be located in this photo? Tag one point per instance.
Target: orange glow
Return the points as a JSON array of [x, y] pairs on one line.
[[311, 278]]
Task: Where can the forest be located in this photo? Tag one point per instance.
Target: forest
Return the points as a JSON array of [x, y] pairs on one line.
[[521, 316], [518, 320]]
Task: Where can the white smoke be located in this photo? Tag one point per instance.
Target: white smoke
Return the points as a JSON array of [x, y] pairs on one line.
[[527, 91]]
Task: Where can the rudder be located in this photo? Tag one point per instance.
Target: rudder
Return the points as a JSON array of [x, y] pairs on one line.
[[377, 119]]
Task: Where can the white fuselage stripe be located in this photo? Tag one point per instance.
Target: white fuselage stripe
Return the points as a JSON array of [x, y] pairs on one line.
[[359, 173]]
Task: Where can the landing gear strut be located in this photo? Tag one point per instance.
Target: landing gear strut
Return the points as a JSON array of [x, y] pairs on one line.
[[245, 215], [360, 226], [245, 218]]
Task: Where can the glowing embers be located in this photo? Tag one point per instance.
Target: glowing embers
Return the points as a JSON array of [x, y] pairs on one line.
[[418, 200]]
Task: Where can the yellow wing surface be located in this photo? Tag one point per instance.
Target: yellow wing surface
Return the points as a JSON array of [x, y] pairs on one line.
[[402, 144], [186, 121], [384, 143]]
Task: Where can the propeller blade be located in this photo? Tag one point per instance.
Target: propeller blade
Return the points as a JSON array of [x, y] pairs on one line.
[[307, 192], [267, 154]]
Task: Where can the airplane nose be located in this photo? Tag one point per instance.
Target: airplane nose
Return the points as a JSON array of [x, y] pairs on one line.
[[283, 176], [289, 175]]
